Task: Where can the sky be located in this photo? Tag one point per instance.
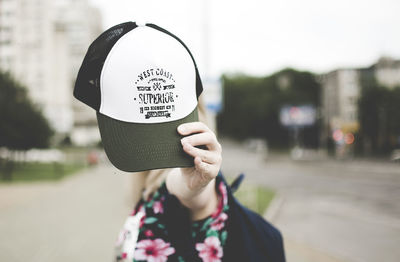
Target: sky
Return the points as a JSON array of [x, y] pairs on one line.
[[261, 37]]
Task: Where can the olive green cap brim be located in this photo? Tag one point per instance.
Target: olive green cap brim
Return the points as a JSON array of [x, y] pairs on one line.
[[134, 147]]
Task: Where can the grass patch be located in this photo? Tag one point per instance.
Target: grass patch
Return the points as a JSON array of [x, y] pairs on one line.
[[38, 171], [254, 197]]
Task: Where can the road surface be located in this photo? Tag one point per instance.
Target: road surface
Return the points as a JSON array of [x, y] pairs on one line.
[[328, 210]]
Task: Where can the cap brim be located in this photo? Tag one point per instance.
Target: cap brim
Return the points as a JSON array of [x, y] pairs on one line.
[[134, 147]]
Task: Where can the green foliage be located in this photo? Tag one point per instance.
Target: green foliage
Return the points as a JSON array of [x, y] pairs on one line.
[[22, 126], [254, 197], [379, 114], [31, 172], [252, 105]]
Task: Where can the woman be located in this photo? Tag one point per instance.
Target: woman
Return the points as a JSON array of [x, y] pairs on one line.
[[181, 214], [189, 214]]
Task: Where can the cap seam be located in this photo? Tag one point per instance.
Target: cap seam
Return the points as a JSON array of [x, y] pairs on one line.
[[158, 28], [106, 61]]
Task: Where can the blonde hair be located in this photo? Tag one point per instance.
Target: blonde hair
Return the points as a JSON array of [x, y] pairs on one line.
[[147, 182]]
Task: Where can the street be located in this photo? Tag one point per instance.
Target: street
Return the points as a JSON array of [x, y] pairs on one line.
[[327, 210]]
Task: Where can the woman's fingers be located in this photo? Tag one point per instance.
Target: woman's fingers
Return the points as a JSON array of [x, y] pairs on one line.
[[205, 155], [207, 162], [193, 127], [206, 138], [207, 170]]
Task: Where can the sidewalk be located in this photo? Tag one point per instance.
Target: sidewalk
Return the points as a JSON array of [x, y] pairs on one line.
[[296, 251], [76, 219]]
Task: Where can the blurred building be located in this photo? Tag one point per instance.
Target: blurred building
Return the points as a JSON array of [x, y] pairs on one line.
[[83, 24], [387, 72], [33, 48], [341, 91], [42, 43]]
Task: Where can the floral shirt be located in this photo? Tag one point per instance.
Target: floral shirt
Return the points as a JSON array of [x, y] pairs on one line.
[[146, 235]]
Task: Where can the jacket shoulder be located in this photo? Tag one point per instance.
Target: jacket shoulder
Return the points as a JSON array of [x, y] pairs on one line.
[[250, 236], [263, 239]]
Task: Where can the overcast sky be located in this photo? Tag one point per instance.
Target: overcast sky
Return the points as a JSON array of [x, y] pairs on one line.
[[260, 37]]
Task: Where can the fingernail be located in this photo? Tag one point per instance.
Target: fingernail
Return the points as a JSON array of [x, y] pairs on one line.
[[181, 129], [183, 141]]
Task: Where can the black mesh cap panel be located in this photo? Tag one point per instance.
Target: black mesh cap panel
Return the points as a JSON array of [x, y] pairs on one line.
[[199, 85], [87, 85]]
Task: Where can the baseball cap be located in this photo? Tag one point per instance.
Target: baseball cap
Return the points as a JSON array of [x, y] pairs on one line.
[[143, 83]]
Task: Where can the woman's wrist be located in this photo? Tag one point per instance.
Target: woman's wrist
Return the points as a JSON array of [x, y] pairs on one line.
[[195, 186], [201, 202]]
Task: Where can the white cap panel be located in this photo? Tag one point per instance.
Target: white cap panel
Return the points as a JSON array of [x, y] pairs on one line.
[[148, 77]]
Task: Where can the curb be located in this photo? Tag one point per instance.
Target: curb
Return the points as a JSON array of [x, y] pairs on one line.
[[274, 207]]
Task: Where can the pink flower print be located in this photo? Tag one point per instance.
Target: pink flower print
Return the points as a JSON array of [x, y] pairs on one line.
[[222, 189], [210, 250], [158, 207], [219, 209], [153, 250], [141, 224], [223, 200], [219, 223], [148, 233], [136, 210]]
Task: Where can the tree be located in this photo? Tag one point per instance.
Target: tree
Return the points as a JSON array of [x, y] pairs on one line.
[[252, 105], [379, 113], [22, 125]]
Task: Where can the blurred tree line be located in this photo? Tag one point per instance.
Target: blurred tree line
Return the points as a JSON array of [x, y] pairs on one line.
[[22, 125], [379, 115], [252, 106]]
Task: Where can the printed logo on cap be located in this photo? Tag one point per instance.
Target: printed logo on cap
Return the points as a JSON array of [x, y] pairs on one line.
[[156, 95], [148, 77]]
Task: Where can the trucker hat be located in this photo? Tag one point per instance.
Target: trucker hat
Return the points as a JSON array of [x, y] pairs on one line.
[[143, 83]]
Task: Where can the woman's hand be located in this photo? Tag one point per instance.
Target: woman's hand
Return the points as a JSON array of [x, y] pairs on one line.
[[195, 186], [207, 160]]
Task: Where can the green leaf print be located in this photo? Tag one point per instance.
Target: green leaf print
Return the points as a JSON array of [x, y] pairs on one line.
[[211, 232], [206, 224], [150, 203], [156, 195], [224, 235], [150, 220]]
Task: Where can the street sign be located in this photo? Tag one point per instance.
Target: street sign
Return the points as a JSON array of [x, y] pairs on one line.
[[212, 94], [298, 116]]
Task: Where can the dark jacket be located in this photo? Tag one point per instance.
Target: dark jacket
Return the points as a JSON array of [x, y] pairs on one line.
[[250, 237]]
